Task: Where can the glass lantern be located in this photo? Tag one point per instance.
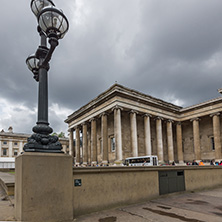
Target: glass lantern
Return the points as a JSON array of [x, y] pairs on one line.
[[53, 22], [32, 63], [38, 5]]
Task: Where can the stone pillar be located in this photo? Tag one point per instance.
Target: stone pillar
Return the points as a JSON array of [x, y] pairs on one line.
[[77, 148], [85, 144], [159, 139], [147, 132], [179, 143], [71, 145], [20, 147], [170, 141], [0, 148], [104, 135], [10, 149], [89, 146], [217, 138], [133, 132], [196, 138], [118, 134], [93, 141]]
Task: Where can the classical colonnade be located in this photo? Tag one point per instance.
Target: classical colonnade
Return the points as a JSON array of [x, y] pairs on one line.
[[89, 151]]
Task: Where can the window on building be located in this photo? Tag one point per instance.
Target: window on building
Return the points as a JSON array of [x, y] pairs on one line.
[[212, 143], [113, 144], [4, 142], [15, 152], [15, 144], [4, 152]]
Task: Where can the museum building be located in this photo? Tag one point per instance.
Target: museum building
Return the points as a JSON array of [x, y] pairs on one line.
[[122, 122]]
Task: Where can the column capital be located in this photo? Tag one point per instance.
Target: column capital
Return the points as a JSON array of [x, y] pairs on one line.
[[92, 119], [103, 114], [133, 111], [179, 123], [170, 121], [84, 123], [159, 118], [215, 114], [117, 107], [146, 115], [76, 127], [195, 119], [70, 130]]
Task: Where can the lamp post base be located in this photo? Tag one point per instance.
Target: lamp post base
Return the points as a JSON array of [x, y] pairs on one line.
[[43, 143], [44, 187]]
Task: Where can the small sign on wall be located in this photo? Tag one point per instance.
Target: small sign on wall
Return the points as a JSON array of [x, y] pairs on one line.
[[77, 182]]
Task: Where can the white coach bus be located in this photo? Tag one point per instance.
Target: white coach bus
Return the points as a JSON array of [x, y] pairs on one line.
[[142, 161]]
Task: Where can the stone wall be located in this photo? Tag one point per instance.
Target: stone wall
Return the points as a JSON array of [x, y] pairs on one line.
[[109, 187]]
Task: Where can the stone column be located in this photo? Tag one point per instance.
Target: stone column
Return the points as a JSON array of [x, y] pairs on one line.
[[104, 135], [133, 132], [93, 141], [118, 134], [179, 143], [0, 148], [77, 148], [20, 147], [170, 141], [89, 146], [10, 149], [84, 144], [147, 132], [196, 138], [217, 138], [159, 139], [71, 146]]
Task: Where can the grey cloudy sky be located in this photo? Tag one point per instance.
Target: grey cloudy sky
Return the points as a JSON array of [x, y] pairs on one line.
[[169, 49]]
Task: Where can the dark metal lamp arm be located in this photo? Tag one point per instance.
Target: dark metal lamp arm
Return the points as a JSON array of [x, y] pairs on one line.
[[53, 44]]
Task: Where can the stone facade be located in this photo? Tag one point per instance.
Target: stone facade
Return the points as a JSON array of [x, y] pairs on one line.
[[122, 123], [11, 144]]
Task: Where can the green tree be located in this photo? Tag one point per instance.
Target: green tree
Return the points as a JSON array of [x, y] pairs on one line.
[[61, 135]]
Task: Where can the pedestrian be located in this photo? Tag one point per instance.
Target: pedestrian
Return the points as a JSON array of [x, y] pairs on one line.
[[194, 163], [201, 163]]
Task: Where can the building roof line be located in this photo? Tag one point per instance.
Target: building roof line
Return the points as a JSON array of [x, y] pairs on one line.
[[124, 90], [218, 99]]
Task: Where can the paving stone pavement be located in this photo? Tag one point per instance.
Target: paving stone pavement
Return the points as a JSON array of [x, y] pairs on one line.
[[6, 206], [205, 206]]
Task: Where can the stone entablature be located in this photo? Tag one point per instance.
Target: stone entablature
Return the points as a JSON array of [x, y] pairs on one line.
[[142, 125]]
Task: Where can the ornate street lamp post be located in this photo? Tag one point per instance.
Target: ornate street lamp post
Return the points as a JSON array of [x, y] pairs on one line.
[[52, 25]]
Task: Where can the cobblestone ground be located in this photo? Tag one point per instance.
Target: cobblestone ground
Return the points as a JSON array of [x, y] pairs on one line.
[[6, 207]]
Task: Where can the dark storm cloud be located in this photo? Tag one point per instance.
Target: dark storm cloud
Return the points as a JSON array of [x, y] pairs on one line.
[[169, 49], [16, 41]]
